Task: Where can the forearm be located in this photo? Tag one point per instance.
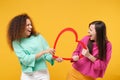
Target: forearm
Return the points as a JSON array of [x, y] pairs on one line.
[[86, 53], [39, 54], [91, 57], [50, 50]]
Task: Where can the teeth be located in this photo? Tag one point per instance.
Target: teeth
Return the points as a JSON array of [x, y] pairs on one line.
[[29, 31]]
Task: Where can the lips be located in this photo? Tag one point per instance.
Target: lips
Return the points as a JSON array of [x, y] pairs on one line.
[[90, 37], [29, 31]]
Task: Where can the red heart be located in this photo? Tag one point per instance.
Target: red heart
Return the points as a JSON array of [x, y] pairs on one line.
[[76, 37]]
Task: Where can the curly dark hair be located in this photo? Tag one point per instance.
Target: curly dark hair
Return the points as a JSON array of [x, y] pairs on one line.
[[16, 28]]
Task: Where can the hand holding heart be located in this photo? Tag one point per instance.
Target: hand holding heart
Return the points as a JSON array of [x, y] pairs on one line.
[[75, 58], [76, 39], [50, 50], [85, 52], [59, 59]]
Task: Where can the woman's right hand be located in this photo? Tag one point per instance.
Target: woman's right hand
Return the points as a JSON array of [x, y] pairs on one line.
[[75, 58], [59, 59], [50, 50]]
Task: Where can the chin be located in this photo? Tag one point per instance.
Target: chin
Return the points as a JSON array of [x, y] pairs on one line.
[[91, 38], [28, 35]]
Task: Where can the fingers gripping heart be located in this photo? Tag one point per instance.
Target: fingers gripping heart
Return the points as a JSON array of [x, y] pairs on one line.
[[76, 40]]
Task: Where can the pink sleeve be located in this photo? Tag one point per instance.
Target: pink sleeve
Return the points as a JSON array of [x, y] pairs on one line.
[[78, 50], [79, 47], [99, 64]]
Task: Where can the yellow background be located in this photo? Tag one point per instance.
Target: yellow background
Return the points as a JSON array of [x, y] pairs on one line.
[[50, 17]]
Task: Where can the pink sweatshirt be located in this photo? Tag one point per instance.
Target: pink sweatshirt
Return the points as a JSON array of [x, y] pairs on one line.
[[85, 66]]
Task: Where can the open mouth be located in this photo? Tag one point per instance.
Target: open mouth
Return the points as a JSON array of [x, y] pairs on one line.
[[90, 35], [29, 31]]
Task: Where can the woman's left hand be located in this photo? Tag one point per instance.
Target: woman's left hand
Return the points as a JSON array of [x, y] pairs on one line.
[[59, 59], [85, 52]]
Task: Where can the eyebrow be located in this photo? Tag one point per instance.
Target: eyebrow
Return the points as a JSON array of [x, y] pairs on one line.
[[28, 24]]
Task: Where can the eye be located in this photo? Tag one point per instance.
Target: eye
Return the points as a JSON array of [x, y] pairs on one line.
[[28, 25]]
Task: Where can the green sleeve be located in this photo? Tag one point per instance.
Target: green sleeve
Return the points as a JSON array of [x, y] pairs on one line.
[[24, 56], [48, 56]]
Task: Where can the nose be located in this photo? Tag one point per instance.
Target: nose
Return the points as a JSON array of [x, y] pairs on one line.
[[30, 26]]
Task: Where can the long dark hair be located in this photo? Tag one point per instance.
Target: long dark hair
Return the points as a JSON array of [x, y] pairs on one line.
[[16, 28], [101, 39]]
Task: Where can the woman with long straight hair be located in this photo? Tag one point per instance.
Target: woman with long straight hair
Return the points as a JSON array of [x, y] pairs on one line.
[[96, 57]]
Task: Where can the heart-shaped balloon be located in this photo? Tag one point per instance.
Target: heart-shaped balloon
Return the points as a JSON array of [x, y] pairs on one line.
[[76, 39]]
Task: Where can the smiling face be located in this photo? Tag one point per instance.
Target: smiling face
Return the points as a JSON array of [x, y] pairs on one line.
[[92, 32], [28, 28]]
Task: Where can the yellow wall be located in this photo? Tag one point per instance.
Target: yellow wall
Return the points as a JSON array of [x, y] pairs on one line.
[[50, 17]]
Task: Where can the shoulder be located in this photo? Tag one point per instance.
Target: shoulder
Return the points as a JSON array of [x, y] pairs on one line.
[[36, 36], [109, 44], [15, 42], [39, 36], [85, 38]]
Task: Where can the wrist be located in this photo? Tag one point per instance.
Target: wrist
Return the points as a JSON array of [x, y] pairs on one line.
[[87, 55], [92, 58]]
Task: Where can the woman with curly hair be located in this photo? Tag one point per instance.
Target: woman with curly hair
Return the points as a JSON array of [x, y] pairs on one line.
[[30, 47]]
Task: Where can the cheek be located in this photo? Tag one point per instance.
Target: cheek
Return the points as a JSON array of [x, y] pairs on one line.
[[26, 32], [94, 32], [26, 27], [94, 35], [90, 32]]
